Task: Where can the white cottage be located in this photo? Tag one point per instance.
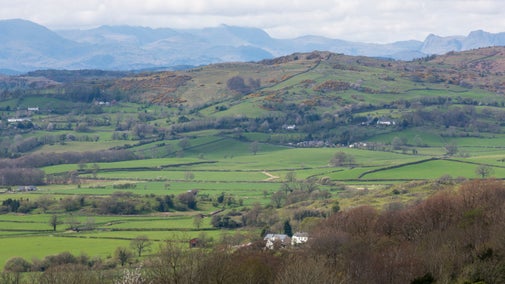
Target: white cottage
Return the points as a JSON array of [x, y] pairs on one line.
[[299, 238], [273, 239]]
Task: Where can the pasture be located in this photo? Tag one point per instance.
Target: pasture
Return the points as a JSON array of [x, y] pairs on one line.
[[227, 166]]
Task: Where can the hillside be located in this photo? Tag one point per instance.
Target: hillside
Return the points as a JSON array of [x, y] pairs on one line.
[[322, 93]]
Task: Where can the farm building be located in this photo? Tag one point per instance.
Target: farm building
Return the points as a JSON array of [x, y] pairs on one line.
[[276, 240], [27, 188], [299, 238]]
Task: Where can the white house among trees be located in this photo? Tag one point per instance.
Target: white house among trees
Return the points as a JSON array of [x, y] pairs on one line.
[[299, 238], [276, 240]]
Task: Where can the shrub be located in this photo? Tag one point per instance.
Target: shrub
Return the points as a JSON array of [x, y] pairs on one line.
[[17, 264]]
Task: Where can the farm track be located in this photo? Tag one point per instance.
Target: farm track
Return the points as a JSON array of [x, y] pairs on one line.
[[270, 176]]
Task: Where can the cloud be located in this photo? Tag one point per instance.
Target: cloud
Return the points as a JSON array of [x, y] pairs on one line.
[[357, 20]]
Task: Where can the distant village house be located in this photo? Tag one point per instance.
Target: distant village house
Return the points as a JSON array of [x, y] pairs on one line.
[[299, 238], [12, 120], [276, 240], [385, 122], [26, 188]]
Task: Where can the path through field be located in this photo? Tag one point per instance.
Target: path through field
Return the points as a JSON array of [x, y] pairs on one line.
[[270, 176]]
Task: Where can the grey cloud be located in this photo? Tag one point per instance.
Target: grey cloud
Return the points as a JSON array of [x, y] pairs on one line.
[[356, 20]]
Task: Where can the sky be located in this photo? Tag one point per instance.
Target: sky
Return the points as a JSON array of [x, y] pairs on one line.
[[378, 21]]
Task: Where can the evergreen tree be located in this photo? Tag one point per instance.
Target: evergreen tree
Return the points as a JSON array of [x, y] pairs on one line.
[[287, 229]]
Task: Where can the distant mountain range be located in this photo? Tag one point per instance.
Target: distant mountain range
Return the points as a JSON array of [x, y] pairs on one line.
[[27, 46]]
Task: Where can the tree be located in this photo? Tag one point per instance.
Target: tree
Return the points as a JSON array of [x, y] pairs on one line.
[[238, 85], [254, 147], [17, 264], [123, 255], [188, 199], [277, 198], [451, 149], [397, 143], [290, 176], [140, 244], [73, 223], [484, 171], [418, 141], [44, 202], [54, 221], [287, 229], [342, 159], [197, 221], [94, 169], [184, 143]]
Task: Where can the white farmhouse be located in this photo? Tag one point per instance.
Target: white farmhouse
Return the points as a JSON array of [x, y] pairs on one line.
[[276, 240], [299, 238]]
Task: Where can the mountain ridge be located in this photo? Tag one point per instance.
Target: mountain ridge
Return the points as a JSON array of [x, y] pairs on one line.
[[27, 46]]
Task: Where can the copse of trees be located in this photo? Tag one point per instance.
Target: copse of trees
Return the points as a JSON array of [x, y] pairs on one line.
[[24, 170], [239, 85], [23, 176], [49, 159], [342, 159], [118, 203]]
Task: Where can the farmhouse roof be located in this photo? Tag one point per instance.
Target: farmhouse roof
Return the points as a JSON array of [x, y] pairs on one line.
[[272, 237]]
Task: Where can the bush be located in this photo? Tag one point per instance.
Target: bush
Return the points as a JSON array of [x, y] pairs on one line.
[[17, 264], [224, 221]]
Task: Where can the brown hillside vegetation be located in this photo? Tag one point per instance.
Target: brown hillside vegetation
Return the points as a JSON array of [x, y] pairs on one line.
[[452, 237], [209, 83], [483, 68]]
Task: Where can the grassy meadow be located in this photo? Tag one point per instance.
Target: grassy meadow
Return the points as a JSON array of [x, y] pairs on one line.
[[230, 167]]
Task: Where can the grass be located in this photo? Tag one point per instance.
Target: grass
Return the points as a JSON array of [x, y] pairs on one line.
[[431, 170], [41, 246], [33, 234]]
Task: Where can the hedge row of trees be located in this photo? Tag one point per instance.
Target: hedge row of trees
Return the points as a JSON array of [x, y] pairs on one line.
[[24, 170], [49, 159], [120, 203]]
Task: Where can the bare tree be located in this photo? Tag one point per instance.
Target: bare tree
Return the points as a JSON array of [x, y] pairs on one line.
[[341, 159], [141, 244], [123, 255], [254, 147], [197, 221], [451, 149], [277, 198], [484, 171], [54, 221], [184, 143]]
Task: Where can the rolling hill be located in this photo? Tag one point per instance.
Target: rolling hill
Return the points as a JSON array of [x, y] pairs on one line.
[[325, 96]]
